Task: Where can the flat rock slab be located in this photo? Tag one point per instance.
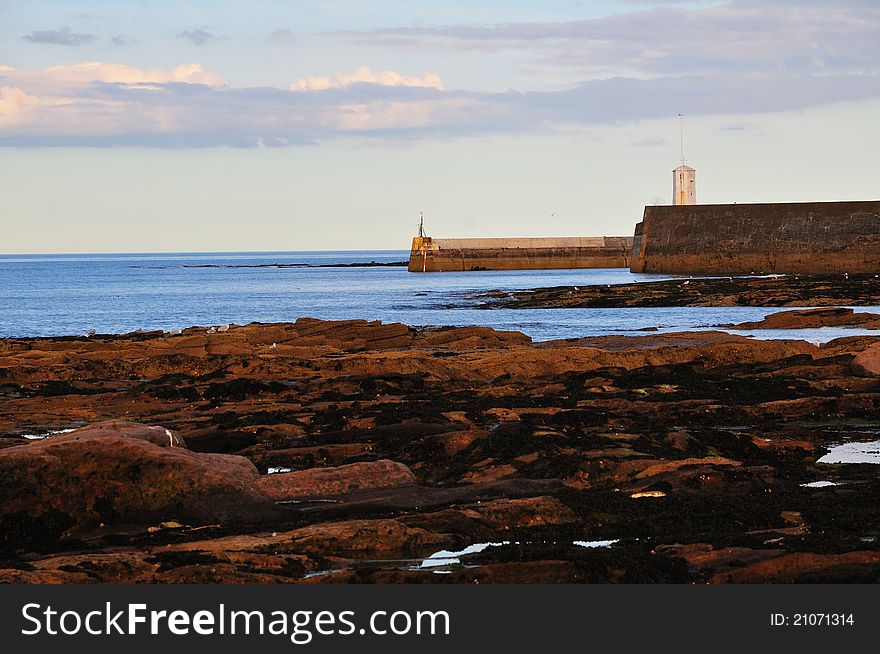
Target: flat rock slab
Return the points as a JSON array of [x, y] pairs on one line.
[[115, 473], [330, 482], [777, 291]]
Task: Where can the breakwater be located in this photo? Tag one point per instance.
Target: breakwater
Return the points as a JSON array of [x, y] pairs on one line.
[[462, 254], [797, 237]]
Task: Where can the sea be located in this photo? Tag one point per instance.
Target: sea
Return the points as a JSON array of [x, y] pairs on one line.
[[75, 294]]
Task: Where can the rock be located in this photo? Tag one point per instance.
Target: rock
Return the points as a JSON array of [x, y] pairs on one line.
[[353, 537], [457, 441], [470, 337], [219, 441], [777, 291], [862, 566], [675, 466], [355, 335], [328, 482], [721, 430], [503, 515], [104, 476], [867, 363], [643, 494], [812, 319], [154, 434], [489, 474], [316, 456], [11, 442], [707, 559]]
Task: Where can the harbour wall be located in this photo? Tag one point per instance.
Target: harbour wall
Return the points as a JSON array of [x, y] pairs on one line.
[[462, 254], [801, 237]]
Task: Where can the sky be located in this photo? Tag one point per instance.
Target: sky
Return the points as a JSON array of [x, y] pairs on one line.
[[256, 125]]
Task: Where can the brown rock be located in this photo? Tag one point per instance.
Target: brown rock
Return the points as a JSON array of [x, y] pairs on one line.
[[812, 319], [332, 454], [355, 335], [361, 537], [328, 482], [704, 557], [219, 441], [154, 434], [528, 512], [803, 566], [867, 362], [456, 441], [489, 474], [615, 417], [471, 337], [674, 466], [103, 476]]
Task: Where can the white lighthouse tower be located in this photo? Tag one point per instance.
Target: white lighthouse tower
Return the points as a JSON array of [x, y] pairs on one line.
[[684, 178], [684, 185]]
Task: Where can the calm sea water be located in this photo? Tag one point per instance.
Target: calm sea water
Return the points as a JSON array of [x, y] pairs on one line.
[[51, 295]]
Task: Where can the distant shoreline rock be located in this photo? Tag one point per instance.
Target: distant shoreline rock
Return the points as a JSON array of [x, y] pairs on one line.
[[765, 291]]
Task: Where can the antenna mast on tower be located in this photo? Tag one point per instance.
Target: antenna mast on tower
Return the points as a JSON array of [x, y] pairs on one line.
[[421, 224], [681, 136], [684, 178]]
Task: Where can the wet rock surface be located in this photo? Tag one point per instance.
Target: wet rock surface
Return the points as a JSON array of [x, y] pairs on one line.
[[660, 458], [812, 319], [773, 291]]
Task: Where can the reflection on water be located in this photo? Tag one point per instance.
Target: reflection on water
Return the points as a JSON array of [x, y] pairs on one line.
[[39, 437], [595, 543], [853, 453], [446, 558]]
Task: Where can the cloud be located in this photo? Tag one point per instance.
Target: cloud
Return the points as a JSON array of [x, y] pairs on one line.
[[121, 39], [98, 71], [281, 35], [59, 37], [197, 37], [737, 36], [13, 101], [364, 75], [97, 104]]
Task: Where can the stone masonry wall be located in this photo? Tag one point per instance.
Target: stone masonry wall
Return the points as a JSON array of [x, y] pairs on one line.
[[814, 237]]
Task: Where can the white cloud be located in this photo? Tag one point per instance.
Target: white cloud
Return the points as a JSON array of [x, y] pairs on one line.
[[364, 75], [98, 71], [97, 104], [13, 101]]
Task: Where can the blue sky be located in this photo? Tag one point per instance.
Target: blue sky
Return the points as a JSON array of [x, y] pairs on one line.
[[144, 126]]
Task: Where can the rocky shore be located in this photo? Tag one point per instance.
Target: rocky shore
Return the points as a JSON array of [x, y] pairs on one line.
[[771, 291], [437, 455]]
